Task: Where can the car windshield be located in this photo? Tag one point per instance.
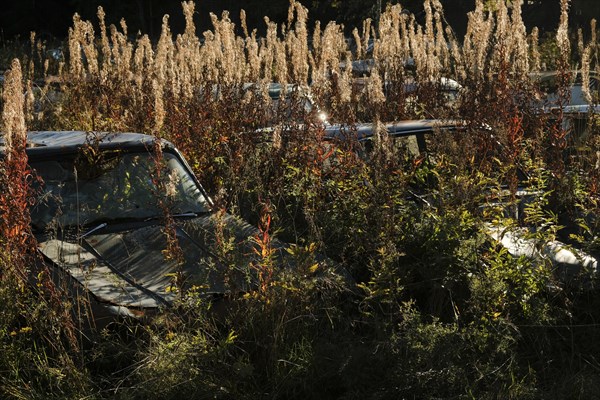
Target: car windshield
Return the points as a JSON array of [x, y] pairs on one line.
[[117, 187]]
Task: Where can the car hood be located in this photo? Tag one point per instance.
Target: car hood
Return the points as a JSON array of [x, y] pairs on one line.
[[128, 267]]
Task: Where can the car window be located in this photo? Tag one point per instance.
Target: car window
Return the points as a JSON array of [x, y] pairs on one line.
[[119, 187]]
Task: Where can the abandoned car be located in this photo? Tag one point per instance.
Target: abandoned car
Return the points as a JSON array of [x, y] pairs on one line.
[[569, 263], [104, 203]]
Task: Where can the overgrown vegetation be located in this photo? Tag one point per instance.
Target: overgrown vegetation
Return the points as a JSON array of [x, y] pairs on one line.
[[438, 311]]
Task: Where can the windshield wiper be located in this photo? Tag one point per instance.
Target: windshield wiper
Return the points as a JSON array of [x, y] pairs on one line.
[[102, 225], [130, 219], [189, 214], [185, 214]]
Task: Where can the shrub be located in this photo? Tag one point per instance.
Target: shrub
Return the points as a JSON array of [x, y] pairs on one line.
[[439, 309]]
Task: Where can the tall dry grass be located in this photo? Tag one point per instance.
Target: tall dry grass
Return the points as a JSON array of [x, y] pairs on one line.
[[39, 341], [447, 313]]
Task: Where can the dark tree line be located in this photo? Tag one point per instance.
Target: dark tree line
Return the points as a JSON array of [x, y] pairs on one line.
[[51, 18]]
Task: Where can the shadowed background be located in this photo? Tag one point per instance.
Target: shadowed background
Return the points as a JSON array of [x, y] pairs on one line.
[[50, 19]]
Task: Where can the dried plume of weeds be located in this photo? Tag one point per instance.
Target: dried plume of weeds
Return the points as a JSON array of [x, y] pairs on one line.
[[21, 270], [17, 178], [191, 91], [185, 88]]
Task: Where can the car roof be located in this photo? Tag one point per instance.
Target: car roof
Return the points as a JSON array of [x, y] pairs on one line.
[[550, 77], [64, 142], [573, 109], [402, 128], [276, 89]]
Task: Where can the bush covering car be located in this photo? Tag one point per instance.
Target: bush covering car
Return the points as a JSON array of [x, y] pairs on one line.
[[569, 264]]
